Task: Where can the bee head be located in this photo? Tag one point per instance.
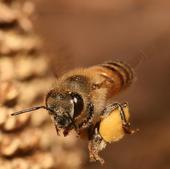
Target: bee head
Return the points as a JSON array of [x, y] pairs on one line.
[[64, 107]]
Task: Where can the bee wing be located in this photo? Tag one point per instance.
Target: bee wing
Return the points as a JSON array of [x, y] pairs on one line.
[[63, 62], [138, 59]]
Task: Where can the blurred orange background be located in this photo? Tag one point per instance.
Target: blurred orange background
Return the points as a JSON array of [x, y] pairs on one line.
[[81, 33]]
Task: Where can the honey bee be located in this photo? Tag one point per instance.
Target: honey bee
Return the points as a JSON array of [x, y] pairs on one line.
[[81, 101]]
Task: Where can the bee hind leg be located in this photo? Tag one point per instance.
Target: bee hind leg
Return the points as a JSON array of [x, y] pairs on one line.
[[96, 144], [125, 124]]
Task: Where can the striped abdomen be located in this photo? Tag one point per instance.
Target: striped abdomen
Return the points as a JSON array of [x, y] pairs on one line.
[[118, 74], [124, 71]]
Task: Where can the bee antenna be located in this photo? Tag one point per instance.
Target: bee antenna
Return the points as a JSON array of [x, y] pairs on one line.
[[29, 110]]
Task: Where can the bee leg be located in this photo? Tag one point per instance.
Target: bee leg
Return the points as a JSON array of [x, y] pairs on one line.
[[89, 121], [125, 124], [57, 130], [96, 144]]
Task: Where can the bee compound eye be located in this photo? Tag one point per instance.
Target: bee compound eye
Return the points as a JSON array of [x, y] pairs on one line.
[[78, 103]]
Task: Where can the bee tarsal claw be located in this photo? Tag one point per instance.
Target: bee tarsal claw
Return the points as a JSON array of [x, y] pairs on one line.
[[128, 130]]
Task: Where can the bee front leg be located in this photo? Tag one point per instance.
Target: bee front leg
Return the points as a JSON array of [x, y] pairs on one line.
[[90, 116], [57, 130], [96, 144]]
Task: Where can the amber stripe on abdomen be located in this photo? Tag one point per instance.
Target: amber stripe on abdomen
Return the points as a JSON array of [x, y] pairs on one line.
[[124, 71]]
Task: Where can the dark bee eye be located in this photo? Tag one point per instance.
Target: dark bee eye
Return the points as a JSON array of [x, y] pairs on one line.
[[78, 103]]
